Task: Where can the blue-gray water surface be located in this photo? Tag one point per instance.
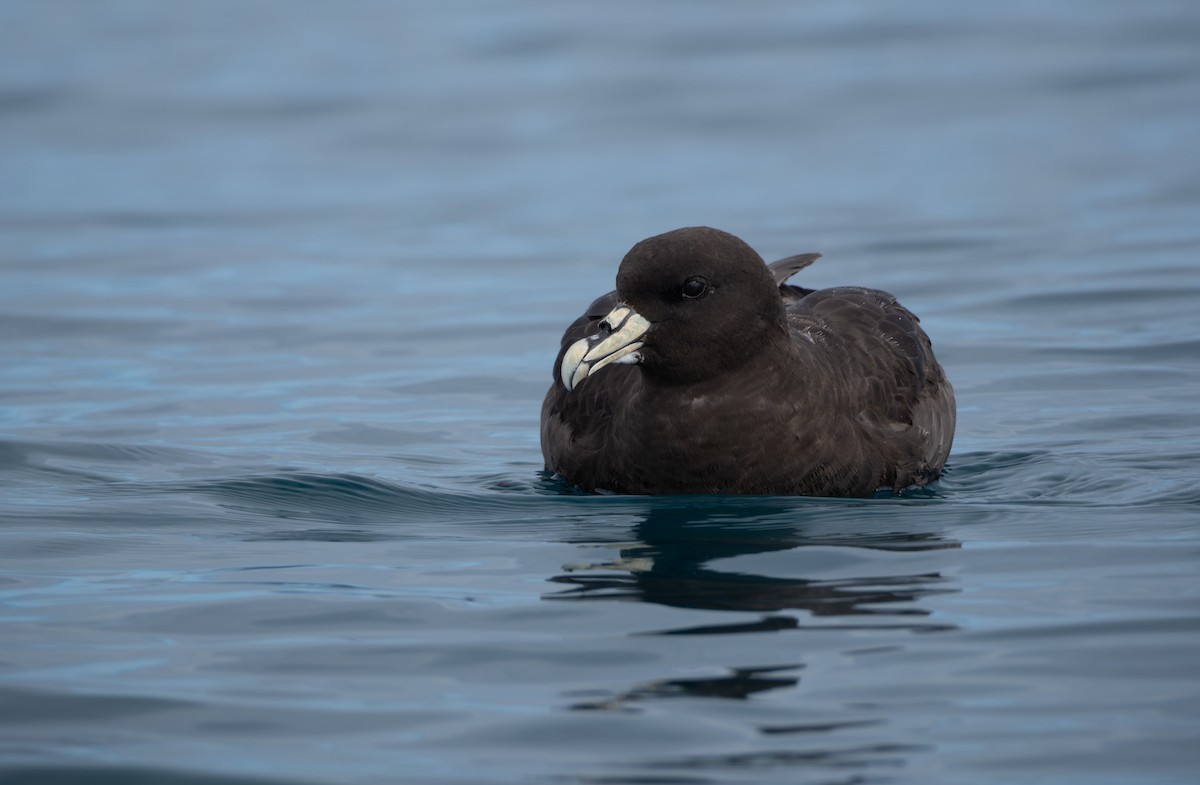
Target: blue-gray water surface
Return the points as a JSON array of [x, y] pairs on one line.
[[280, 288]]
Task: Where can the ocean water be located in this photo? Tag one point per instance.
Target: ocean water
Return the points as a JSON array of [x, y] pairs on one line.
[[280, 288]]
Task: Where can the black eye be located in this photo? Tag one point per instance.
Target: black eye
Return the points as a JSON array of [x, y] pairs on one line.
[[694, 287]]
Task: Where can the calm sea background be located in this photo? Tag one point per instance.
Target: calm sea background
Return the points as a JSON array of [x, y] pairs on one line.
[[281, 284]]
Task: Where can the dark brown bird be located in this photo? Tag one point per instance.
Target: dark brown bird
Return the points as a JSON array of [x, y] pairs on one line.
[[705, 373]]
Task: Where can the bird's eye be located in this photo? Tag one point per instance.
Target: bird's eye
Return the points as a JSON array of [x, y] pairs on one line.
[[694, 287]]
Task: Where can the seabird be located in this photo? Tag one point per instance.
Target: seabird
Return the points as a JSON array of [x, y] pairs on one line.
[[704, 372]]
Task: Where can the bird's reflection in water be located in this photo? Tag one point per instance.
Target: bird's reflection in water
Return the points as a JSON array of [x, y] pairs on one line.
[[674, 558], [674, 544], [740, 683]]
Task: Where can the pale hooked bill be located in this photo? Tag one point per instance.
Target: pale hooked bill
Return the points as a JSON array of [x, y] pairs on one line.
[[588, 355]]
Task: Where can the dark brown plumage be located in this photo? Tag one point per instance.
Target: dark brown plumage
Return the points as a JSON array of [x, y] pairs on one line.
[[705, 373]]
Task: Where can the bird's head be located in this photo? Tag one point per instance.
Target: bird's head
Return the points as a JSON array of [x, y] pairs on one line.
[[694, 303]]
